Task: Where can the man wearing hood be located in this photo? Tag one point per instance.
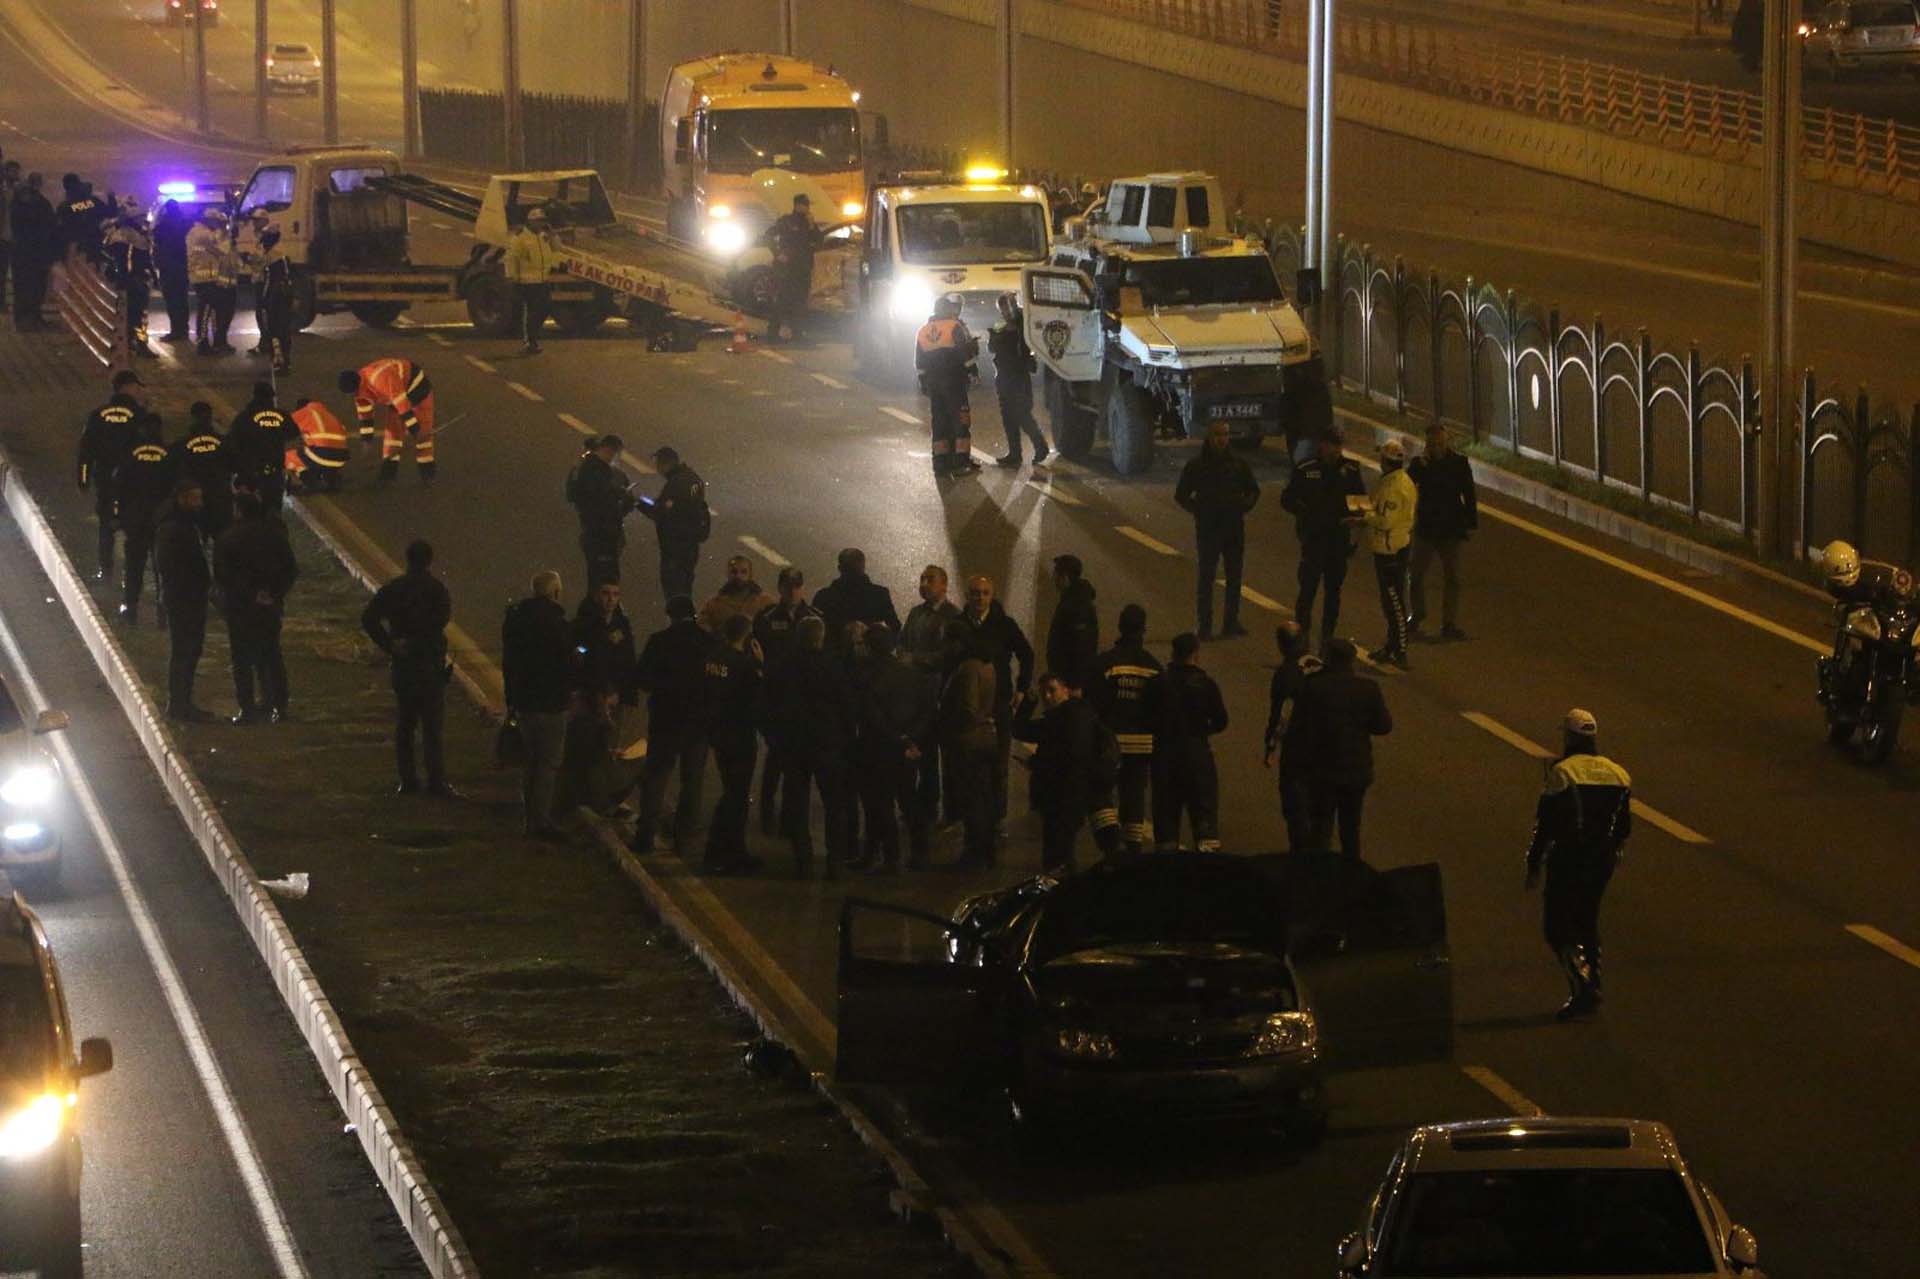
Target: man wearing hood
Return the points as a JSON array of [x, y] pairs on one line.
[[997, 640], [853, 597], [1073, 638]]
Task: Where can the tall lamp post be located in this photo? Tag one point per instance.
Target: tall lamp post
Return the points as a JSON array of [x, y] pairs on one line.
[[329, 76], [1780, 450], [409, 80], [510, 82], [260, 68], [1007, 38], [203, 119], [1316, 248], [637, 139]]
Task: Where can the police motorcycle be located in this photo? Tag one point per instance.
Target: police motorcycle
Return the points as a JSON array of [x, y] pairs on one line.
[[1874, 670]]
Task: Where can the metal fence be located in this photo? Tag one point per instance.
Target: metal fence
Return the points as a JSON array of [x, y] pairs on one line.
[[1676, 429], [468, 127], [1842, 147]]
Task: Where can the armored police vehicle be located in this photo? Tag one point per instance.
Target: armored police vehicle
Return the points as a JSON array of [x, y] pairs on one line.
[[1150, 321]]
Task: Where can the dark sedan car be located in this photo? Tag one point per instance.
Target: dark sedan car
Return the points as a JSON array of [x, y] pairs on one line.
[[1175, 987]]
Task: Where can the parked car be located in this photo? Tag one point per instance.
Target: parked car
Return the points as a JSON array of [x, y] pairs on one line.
[[180, 12], [1526, 1198], [1862, 35], [293, 68], [41, 1066], [30, 803], [1178, 988]]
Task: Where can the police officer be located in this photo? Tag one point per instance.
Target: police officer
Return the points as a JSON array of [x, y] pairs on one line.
[[793, 240], [170, 232], [257, 441], [530, 264], [1125, 690], [1852, 580], [1580, 826], [944, 352], [1320, 496], [254, 569], [1218, 489], [180, 557], [105, 439], [1389, 524], [407, 620], [142, 482], [273, 285], [207, 253], [774, 632], [201, 454], [1185, 780], [129, 252], [682, 520], [602, 496], [1013, 366], [77, 221], [1073, 770], [1297, 665]]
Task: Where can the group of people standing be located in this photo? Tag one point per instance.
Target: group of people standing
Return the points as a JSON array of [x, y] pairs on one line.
[[35, 234]]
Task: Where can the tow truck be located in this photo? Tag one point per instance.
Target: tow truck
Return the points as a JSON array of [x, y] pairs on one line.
[[343, 217], [1148, 322]]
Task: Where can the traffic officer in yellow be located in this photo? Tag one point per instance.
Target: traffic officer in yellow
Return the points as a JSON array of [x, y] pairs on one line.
[[212, 269], [530, 265], [944, 353], [1579, 829], [1389, 535]]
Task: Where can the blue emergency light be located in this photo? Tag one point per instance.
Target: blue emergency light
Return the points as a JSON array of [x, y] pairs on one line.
[[178, 188]]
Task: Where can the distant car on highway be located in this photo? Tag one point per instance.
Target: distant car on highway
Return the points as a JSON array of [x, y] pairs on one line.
[[180, 12], [293, 68], [1526, 1198], [1175, 989], [41, 1067], [30, 798], [1862, 35]]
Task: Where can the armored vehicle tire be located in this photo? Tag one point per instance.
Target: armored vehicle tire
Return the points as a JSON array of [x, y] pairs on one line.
[[305, 304], [1072, 424], [377, 315], [578, 319], [1130, 414], [491, 307]]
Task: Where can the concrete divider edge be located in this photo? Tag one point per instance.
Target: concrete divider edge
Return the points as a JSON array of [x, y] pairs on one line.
[[393, 1161]]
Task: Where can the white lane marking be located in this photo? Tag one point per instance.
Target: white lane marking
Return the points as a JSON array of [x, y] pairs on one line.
[[577, 424], [443, 226], [1147, 540], [1515, 1100], [1060, 464], [1254, 597], [902, 414], [1365, 658], [526, 392], [824, 380], [439, 339], [1892, 945], [266, 1208], [1055, 493], [479, 363], [775, 355], [1652, 816], [638, 464], [764, 551]]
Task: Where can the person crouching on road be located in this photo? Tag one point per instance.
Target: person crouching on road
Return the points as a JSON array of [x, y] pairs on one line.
[[1013, 366], [944, 352], [398, 391], [1389, 524], [536, 662], [407, 620], [1075, 763], [1580, 827], [316, 463], [530, 265], [254, 568], [185, 580]]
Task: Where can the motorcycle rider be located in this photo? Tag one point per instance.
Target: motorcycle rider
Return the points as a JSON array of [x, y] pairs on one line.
[[1852, 580]]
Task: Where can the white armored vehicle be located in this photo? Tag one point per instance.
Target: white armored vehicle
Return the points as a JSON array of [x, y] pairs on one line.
[[1152, 321]]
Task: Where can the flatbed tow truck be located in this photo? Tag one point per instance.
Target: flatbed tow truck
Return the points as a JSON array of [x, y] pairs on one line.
[[343, 219]]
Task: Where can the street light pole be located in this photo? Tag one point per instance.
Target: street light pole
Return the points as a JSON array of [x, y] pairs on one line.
[[636, 89], [510, 82], [1323, 239], [409, 80], [1310, 236], [1777, 473], [260, 47], [329, 76], [789, 38], [1007, 36], [202, 118]]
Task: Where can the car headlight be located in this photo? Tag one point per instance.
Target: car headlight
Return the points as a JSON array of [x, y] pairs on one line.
[[726, 238], [33, 1127], [851, 209], [1863, 622], [22, 832], [29, 787], [1084, 1045], [1285, 1033], [910, 300], [719, 211]]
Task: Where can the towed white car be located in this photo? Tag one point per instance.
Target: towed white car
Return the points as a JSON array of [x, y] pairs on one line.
[[30, 786]]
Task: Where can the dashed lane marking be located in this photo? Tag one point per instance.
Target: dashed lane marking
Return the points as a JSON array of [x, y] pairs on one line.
[[764, 551], [1512, 1098], [1055, 493], [1255, 598], [526, 392], [479, 363], [1147, 540], [439, 339], [775, 355], [1526, 746], [824, 380], [1892, 945], [902, 414], [577, 424]]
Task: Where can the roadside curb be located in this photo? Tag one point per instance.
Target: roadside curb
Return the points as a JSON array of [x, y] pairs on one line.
[[419, 1206], [1602, 519]]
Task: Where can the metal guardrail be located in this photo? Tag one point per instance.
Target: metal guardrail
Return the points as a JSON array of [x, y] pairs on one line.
[[1670, 427], [92, 310], [1845, 148]]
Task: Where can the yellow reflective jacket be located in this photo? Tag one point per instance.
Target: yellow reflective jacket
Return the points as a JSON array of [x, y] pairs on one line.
[[1390, 522], [530, 257]]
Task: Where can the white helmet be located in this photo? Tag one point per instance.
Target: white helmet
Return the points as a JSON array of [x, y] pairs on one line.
[[1842, 564], [1392, 450], [214, 215], [1581, 723]]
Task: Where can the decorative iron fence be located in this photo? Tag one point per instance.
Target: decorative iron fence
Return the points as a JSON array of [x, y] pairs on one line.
[[468, 127], [1675, 429]]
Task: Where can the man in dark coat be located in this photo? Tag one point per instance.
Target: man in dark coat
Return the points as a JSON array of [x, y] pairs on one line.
[[812, 706], [682, 519], [407, 620], [104, 441], [898, 705], [970, 744], [1289, 680], [1323, 497], [257, 441], [1075, 761], [774, 631], [170, 257], [853, 597], [34, 250], [254, 568], [731, 703], [142, 485], [1334, 724], [1186, 781], [1126, 689], [1013, 383], [603, 642], [923, 643], [1217, 488], [1073, 637], [673, 671], [1445, 517], [793, 240], [202, 454], [602, 496], [997, 639], [185, 581], [537, 664]]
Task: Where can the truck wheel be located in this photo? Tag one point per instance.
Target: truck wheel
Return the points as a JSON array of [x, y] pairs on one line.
[[491, 307], [1072, 424], [377, 315], [306, 303], [1130, 414], [753, 291], [578, 319]]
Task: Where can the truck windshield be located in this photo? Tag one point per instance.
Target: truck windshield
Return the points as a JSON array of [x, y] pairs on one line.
[[953, 234], [804, 139], [1205, 281]]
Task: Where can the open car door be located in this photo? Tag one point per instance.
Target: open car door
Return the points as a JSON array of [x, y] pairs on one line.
[[1063, 321], [907, 1015], [1371, 948]]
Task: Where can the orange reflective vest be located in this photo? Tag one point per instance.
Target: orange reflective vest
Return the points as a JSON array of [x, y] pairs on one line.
[[396, 383], [323, 437]]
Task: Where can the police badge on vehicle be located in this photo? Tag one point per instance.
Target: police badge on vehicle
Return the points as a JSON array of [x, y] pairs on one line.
[[1056, 334]]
